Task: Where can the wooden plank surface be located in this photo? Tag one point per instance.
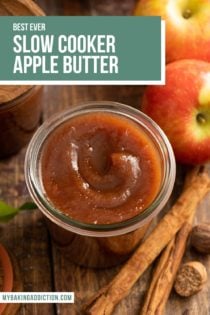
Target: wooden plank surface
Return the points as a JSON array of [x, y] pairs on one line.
[[43, 267]]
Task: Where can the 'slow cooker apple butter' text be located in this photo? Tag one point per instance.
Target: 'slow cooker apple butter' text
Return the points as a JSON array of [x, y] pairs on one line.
[[100, 168]]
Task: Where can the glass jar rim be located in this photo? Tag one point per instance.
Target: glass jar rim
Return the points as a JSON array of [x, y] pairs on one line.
[[33, 173]]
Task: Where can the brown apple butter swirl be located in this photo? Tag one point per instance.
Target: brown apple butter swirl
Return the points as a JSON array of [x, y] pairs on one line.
[[100, 168]]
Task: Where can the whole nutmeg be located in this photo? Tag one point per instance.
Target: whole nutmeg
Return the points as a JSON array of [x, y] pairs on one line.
[[190, 278], [200, 238]]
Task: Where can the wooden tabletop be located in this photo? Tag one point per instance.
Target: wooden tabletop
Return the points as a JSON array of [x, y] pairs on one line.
[[41, 264]]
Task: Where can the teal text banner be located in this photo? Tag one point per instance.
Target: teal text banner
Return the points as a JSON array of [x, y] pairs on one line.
[[82, 50]]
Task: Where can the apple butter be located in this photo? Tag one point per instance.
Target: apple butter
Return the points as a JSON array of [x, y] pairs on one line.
[[99, 173], [100, 168]]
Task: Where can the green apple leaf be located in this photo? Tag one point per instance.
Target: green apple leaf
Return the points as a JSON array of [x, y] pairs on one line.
[[6, 209], [28, 206], [7, 212]]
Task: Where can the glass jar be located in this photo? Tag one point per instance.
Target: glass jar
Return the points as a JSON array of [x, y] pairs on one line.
[[98, 245], [19, 118]]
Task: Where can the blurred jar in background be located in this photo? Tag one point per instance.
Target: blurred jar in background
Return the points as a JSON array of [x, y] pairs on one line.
[[20, 106], [20, 113]]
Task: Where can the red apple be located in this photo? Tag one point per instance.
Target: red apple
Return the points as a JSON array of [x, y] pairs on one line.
[[187, 26], [182, 109]]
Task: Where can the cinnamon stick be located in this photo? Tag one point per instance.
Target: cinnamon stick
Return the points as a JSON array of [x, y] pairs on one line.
[[168, 265], [108, 297], [165, 272]]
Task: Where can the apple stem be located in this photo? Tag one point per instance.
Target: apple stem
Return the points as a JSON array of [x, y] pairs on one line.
[[201, 118], [187, 14]]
